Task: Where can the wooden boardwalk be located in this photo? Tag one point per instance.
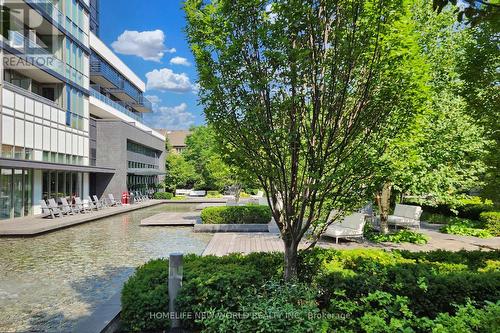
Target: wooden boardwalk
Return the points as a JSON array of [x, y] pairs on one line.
[[35, 225], [225, 243], [172, 219]]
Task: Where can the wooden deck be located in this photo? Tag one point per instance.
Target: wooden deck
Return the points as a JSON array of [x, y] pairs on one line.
[[225, 243], [172, 219], [35, 225]]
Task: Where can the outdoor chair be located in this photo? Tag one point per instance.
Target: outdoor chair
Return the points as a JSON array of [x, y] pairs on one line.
[[80, 206], [350, 227], [48, 211], [66, 207], [55, 207], [92, 204], [112, 201], [101, 202], [405, 216], [138, 197]]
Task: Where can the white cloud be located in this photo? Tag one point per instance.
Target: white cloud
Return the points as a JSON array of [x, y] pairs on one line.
[[153, 99], [172, 50], [166, 80], [180, 61], [149, 45], [171, 117]]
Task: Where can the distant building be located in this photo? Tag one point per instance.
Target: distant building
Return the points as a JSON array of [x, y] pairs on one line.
[[176, 138]]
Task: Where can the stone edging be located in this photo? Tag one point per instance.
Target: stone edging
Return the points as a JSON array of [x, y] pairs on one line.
[[231, 228]]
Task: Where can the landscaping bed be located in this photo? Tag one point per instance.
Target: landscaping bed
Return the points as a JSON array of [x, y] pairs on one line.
[[344, 291], [249, 214]]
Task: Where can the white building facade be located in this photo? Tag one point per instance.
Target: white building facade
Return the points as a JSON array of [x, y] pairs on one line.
[[55, 93]]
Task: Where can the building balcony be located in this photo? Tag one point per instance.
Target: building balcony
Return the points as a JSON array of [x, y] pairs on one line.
[[31, 55], [103, 74], [115, 105], [59, 18], [144, 105]]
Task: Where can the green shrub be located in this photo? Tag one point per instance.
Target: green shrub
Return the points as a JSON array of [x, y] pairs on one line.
[[275, 307], [214, 194], [145, 293], [436, 218], [469, 207], [491, 222], [250, 214], [354, 290], [179, 197], [163, 195], [401, 236], [465, 227]]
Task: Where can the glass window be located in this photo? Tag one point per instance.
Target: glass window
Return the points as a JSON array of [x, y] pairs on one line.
[[17, 193], [5, 193], [7, 151], [28, 192]]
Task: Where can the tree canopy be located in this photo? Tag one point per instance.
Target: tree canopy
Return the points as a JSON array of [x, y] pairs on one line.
[[299, 93]]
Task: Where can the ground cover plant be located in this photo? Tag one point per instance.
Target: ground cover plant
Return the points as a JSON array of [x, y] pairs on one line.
[[345, 291]]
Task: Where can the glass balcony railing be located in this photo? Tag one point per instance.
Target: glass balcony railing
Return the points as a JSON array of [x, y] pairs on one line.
[[34, 53], [58, 17], [115, 105]]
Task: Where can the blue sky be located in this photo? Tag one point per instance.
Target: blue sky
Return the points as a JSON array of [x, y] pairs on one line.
[[155, 36]]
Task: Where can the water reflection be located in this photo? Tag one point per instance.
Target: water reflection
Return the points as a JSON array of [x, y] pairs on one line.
[[48, 283]]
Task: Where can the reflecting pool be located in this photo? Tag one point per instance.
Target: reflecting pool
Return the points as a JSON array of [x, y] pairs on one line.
[[49, 282]]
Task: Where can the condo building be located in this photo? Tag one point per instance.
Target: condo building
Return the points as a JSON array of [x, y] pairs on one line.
[[71, 112]]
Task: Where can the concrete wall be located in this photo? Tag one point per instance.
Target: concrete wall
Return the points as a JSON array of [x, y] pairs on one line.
[[112, 136]]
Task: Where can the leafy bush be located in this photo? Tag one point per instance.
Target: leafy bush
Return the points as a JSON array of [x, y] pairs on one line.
[[491, 222], [214, 194], [145, 293], [467, 207], [345, 291], [163, 195], [179, 197], [465, 227], [436, 218], [250, 214], [275, 307], [402, 236]]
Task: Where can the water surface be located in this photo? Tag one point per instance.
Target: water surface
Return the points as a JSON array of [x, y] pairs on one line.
[[49, 282]]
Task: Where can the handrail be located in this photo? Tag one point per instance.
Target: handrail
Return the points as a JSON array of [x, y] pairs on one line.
[[114, 104]]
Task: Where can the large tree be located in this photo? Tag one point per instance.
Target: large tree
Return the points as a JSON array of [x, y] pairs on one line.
[[299, 91], [440, 152]]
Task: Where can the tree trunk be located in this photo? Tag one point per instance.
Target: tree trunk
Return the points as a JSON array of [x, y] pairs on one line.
[[384, 204], [290, 259]]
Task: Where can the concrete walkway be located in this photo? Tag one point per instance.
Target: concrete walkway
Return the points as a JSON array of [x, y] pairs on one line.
[[222, 244], [35, 225], [172, 219]]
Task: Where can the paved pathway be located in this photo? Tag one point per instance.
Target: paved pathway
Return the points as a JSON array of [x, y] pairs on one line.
[[224, 243], [172, 219], [35, 225]]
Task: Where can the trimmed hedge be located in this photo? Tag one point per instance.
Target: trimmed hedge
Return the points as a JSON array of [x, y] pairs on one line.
[[163, 195], [250, 214], [469, 207], [345, 291], [491, 222]]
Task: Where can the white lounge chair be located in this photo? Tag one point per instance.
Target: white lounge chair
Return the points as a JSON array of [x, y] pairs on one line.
[[112, 201], [48, 211], [351, 226], [80, 206], [405, 216], [66, 207], [92, 204], [101, 202]]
